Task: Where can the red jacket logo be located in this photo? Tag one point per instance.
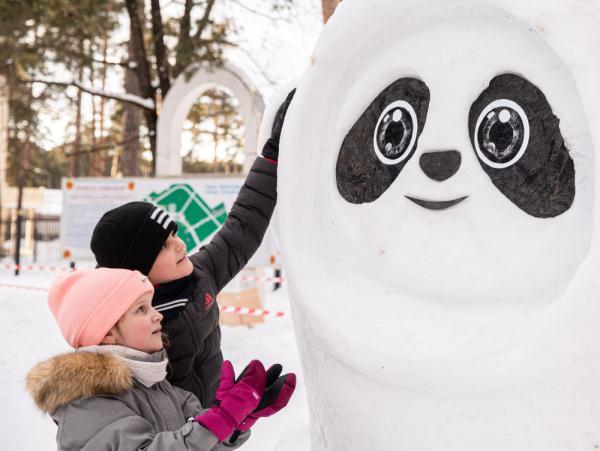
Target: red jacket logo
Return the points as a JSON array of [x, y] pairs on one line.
[[208, 301]]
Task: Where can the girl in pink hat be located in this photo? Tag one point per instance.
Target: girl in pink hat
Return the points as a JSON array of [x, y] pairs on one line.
[[111, 392]]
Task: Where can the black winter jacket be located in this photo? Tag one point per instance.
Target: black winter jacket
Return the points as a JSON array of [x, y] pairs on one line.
[[194, 335]]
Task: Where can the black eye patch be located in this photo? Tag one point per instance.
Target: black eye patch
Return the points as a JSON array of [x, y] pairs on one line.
[[381, 141], [518, 142]]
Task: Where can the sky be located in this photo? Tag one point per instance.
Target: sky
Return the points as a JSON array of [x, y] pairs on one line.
[[272, 52]]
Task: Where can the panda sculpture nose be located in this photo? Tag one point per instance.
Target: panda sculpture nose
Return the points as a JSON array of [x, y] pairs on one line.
[[440, 165]]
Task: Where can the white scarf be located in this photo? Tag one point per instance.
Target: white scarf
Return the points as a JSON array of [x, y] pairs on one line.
[[146, 368]]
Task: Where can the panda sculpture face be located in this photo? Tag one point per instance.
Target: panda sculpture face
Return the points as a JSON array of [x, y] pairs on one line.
[[446, 162], [521, 148], [479, 116]]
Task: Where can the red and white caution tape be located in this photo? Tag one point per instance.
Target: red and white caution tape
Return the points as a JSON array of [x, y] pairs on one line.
[[262, 279], [36, 268], [250, 311], [13, 267], [223, 308]]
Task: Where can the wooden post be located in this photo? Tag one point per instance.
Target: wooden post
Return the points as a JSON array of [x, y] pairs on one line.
[[328, 8], [21, 186]]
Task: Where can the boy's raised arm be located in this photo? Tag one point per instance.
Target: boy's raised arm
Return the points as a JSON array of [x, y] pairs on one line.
[[239, 238]]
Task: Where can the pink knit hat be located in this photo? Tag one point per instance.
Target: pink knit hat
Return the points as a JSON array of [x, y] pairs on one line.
[[89, 302]]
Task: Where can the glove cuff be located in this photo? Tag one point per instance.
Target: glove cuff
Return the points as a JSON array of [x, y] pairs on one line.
[[217, 421]]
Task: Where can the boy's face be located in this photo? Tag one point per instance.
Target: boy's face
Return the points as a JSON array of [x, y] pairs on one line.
[[139, 328], [171, 263]]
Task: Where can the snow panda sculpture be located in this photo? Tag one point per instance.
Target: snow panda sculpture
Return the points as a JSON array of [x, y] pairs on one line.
[[437, 201]]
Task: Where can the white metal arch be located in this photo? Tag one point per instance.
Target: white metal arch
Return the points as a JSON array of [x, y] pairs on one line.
[[182, 96]]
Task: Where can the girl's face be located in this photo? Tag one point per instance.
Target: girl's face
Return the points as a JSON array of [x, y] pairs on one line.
[[171, 263], [139, 328]]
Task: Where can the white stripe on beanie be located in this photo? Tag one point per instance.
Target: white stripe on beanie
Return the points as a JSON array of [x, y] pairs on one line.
[[162, 216], [155, 212], [159, 215]]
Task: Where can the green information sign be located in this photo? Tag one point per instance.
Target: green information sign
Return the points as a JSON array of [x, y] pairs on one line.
[[196, 219]]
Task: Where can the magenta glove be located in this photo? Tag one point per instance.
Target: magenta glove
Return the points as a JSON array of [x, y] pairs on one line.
[[277, 394], [237, 402], [226, 382]]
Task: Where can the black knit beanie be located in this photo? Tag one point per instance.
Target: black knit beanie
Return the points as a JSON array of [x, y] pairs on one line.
[[131, 236]]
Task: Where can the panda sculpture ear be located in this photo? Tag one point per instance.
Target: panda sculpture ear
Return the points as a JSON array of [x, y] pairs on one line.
[[571, 28]]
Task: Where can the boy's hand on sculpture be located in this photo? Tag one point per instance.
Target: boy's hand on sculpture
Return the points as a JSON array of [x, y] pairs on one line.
[[239, 401], [271, 148], [278, 391]]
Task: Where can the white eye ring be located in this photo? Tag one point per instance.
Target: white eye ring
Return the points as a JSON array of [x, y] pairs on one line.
[[408, 107], [497, 104]]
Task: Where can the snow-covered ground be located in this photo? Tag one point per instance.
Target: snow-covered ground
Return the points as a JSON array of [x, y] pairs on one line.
[[29, 334]]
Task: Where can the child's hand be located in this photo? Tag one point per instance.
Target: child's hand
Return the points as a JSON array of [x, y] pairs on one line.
[[226, 382], [239, 401], [278, 391]]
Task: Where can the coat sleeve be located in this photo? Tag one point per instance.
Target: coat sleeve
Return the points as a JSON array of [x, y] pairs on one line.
[[241, 234], [191, 407], [117, 428]]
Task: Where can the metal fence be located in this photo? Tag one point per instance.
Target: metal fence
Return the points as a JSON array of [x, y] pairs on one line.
[[39, 242]]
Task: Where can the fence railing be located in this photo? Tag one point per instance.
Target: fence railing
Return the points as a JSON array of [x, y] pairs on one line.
[[40, 238]]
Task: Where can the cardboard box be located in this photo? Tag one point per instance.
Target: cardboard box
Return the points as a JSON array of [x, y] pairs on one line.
[[251, 298]]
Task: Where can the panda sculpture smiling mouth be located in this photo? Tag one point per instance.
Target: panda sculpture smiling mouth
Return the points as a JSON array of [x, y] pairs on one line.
[[439, 166], [436, 204], [512, 129]]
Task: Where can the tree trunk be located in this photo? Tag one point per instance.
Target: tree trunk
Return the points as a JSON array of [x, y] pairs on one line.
[[184, 43], [22, 168], [94, 158], [328, 8], [102, 120], [160, 51], [3, 147], [138, 55], [132, 118], [3, 134], [76, 159]]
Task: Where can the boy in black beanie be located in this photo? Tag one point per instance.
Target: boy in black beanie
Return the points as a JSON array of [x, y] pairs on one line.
[[141, 236]]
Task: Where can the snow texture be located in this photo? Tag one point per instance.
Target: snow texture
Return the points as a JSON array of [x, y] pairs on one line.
[[29, 335], [466, 328]]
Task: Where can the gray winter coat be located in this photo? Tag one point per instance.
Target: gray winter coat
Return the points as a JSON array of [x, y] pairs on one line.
[[98, 405]]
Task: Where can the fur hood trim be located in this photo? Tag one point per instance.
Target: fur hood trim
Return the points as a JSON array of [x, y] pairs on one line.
[[64, 378]]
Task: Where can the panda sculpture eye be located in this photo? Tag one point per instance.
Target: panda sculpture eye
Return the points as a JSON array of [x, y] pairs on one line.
[[381, 141], [395, 133], [518, 142], [501, 134]]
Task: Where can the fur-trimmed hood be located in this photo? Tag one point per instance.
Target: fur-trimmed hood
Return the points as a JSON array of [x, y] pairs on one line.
[[67, 377]]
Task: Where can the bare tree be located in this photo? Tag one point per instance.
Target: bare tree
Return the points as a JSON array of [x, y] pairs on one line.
[[159, 50], [3, 139], [132, 115]]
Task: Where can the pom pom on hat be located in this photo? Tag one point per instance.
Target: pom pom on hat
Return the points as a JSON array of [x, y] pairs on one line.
[[89, 302]]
